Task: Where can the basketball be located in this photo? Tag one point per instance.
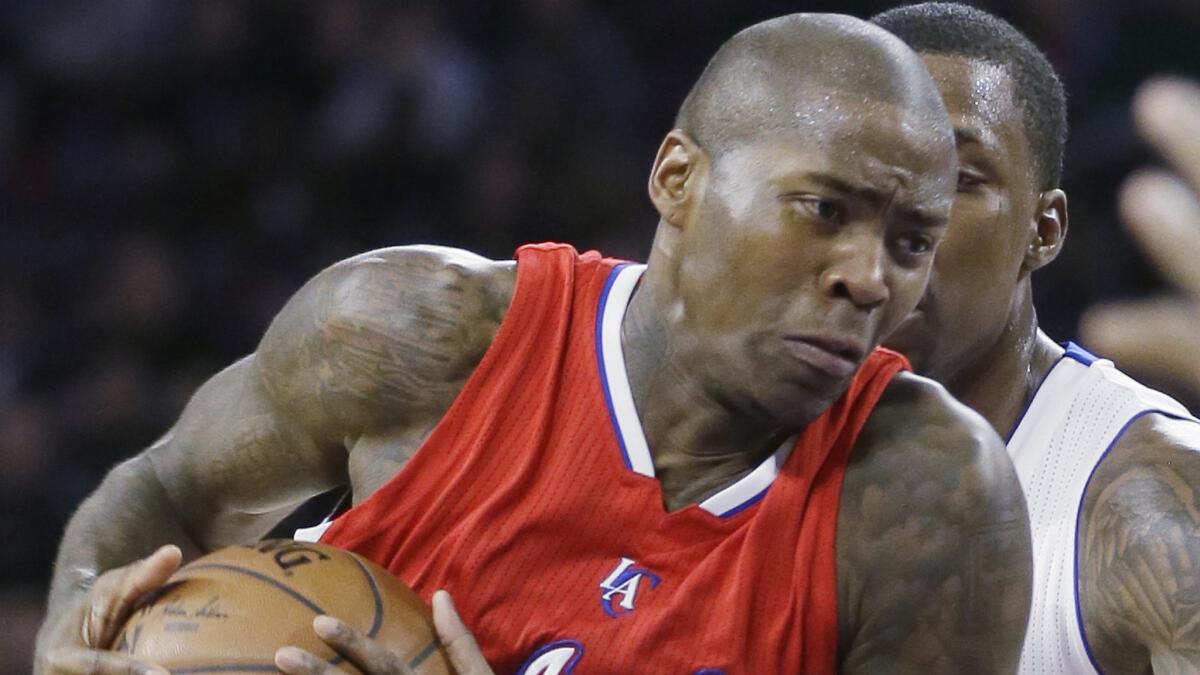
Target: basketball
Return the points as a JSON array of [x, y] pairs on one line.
[[229, 611]]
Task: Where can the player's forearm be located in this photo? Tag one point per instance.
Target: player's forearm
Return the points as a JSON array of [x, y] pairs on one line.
[[126, 518]]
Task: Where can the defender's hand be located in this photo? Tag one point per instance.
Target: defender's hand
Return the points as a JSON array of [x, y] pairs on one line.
[[1162, 211], [76, 643], [373, 659]]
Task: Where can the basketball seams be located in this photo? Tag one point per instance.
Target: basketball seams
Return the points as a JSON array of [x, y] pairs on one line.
[[296, 595], [425, 652], [375, 594], [235, 566], [293, 593]]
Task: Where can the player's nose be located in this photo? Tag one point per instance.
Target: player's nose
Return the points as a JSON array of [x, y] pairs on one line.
[[857, 271]]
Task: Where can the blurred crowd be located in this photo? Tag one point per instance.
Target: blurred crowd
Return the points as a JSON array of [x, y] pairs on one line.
[[172, 171]]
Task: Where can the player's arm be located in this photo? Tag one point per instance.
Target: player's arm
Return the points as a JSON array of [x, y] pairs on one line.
[[1139, 550], [934, 557], [379, 342]]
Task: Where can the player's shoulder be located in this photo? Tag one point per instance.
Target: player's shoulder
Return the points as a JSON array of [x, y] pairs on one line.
[[922, 454], [418, 273], [1155, 454], [397, 328], [1154, 437], [409, 292], [1139, 532], [919, 421], [920, 441]]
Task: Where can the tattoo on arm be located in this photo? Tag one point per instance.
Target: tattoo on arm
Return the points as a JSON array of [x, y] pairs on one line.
[[374, 344], [1140, 552], [385, 339], [934, 559]]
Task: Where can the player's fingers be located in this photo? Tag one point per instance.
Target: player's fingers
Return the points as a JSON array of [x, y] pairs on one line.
[[460, 644], [370, 656], [1164, 215], [1167, 113], [116, 591], [1157, 336], [296, 661], [72, 661]]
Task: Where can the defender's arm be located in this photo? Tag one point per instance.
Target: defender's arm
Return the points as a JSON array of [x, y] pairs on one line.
[[1139, 549], [380, 341], [934, 557]]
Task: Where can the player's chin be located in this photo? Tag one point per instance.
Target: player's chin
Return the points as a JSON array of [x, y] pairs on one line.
[[799, 398]]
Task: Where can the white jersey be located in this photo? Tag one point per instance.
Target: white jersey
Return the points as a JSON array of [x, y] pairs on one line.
[[1077, 414]]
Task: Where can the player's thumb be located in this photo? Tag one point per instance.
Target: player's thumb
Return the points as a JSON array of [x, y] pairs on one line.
[[108, 614], [155, 569]]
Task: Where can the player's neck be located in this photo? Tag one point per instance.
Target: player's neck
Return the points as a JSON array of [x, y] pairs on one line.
[[999, 383], [698, 445]]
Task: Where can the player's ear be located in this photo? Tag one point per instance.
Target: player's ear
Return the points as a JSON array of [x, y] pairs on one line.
[[1049, 230], [677, 179]]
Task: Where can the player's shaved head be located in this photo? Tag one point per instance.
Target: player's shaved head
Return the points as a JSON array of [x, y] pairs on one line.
[[804, 192], [795, 71]]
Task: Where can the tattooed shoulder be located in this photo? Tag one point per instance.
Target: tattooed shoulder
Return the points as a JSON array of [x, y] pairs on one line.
[[1139, 550], [386, 338], [933, 541]]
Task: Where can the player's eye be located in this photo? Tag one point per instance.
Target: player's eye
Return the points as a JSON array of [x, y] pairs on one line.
[[968, 180], [916, 244], [826, 209]]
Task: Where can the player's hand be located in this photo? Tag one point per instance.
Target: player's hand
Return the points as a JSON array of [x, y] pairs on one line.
[[1161, 335], [76, 643], [374, 659]]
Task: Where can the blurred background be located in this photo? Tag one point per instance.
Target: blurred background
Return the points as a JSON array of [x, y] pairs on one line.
[[170, 172]]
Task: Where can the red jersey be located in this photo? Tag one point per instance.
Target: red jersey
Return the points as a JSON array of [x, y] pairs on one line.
[[534, 503]]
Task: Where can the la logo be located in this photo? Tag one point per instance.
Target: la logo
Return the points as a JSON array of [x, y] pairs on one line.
[[621, 585]]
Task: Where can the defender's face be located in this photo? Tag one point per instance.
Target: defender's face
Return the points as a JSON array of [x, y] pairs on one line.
[[807, 248], [974, 284]]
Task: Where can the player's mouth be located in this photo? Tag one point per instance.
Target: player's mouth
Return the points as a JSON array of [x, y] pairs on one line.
[[835, 357]]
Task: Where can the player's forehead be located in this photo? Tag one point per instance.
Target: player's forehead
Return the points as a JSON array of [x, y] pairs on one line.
[[837, 119], [980, 97], [870, 165]]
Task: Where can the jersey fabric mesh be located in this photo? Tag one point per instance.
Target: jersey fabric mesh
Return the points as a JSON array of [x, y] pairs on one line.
[[522, 505]]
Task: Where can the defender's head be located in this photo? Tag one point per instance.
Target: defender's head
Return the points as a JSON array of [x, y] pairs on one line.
[[801, 197], [1009, 217]]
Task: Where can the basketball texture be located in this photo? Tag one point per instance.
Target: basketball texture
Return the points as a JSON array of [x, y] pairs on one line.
[[230, 610]]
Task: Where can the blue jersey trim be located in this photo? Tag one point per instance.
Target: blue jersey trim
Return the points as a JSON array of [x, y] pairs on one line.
[[748, 503], [1087, 647], [1078, 353], [1072, 351], [612, 412]]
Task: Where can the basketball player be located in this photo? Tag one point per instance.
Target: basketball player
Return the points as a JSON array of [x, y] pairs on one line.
[[699, 465], [1110, 468]]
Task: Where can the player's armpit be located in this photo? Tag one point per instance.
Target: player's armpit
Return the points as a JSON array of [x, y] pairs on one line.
[[934, 558], [1139, 550]]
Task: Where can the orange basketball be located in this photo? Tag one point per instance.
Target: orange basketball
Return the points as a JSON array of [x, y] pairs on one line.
[[230, 610]]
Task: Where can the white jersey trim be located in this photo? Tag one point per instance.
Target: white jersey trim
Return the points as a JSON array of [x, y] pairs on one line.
[[312, 534], [631, 438]]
